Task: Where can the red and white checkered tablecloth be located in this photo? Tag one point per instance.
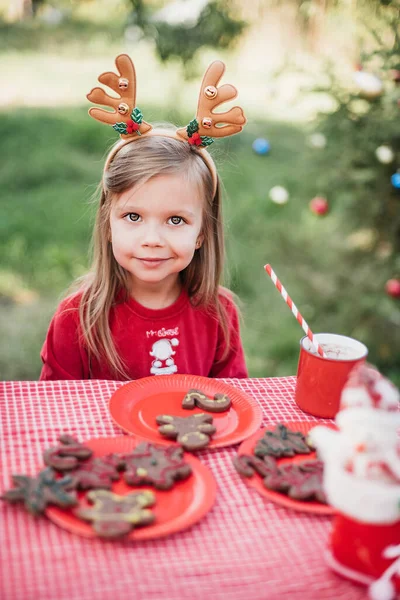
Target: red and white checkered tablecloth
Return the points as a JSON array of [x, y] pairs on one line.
[[245, 548]]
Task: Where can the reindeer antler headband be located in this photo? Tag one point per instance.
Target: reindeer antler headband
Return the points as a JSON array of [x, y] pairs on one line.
[[127, 118]]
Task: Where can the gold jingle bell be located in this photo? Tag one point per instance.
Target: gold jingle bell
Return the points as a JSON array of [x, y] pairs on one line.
[[210, 92], [123, 108], [206, 122], [123, 83]]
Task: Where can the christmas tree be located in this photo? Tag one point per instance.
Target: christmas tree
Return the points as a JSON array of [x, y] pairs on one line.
[[362, 183]]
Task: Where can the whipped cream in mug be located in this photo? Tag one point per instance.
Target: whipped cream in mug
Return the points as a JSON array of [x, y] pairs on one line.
[[341, 348]]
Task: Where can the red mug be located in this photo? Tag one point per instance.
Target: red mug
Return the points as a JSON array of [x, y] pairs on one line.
[[320, 380]]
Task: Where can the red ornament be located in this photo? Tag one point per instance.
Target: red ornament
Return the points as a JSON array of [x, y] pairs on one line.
[[395, 75], [131, 126], [195, 140], [319, 205], [392, 288]]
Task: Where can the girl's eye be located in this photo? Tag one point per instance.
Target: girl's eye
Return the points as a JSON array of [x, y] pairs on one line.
[[175, 220], [133, 217]]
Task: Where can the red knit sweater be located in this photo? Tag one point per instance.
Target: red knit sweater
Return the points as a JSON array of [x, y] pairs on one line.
[[176, 339]]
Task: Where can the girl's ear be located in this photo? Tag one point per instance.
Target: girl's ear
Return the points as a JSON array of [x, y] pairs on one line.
[[199, 241]]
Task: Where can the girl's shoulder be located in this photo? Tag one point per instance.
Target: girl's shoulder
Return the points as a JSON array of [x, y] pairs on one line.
[[70, 304], [226, 303], [227, 298], [224, 309]]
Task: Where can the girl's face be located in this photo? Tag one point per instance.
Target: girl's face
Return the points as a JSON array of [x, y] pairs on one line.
[[155, 229]]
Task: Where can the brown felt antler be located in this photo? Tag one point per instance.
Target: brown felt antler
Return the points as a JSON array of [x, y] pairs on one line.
[[126, 118], [209, 124]]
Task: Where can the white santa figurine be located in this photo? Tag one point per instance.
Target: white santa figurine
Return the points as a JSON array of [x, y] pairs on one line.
[[362, 481]]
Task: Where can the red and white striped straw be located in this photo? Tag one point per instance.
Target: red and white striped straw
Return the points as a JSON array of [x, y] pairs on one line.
[[294, 309]]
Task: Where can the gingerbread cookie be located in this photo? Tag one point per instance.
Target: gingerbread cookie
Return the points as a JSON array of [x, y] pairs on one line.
[[220, 402], [282, 442], [67, 455], [114, 516], [151, 464], [192, 397], [97, 473], [37, 492], [301, 481], [193, 432], [247, 464]]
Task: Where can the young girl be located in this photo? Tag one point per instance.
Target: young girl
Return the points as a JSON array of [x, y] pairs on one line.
[[152, 301]]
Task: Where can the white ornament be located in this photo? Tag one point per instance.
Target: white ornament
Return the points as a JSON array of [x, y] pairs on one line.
[[384, 154], [279, 194], [369, 85], [317, 140], [381, 590]]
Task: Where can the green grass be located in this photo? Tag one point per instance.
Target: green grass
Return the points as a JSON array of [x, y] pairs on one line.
[[52, 163]]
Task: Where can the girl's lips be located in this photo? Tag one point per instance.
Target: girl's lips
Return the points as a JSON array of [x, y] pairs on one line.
[[152, 262], [153, 259]]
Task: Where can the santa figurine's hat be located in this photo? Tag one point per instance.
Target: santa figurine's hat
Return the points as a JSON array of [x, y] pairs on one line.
[[370, 402], [367, 388]]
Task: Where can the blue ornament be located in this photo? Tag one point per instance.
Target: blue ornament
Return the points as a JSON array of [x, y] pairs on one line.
[[395, 179], [261, 146]]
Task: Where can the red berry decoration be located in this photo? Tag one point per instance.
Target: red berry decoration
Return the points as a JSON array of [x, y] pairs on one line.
[[131, 126], [396, 75], [392, 288], [195, 140], [319, 205]]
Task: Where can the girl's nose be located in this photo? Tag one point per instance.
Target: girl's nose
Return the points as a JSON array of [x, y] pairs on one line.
[[152, 236]]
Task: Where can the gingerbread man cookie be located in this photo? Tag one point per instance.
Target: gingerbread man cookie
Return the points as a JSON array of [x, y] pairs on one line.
[[220, 402], [302, 481], [282, 442], [67, 455], [97, 473], [247, 464], [151, 464], [114, 516], [37, 492], [193, 432]]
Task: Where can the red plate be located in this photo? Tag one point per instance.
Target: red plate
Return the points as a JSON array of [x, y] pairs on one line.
[[255, 481], [176, 509], [135, 406]]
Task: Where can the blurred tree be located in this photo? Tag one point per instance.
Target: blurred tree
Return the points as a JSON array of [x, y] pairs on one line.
[[362, 183], [18, 10], [180, 29]]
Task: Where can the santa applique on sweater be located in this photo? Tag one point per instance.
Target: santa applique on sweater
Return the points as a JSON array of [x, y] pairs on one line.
[[163, 353]]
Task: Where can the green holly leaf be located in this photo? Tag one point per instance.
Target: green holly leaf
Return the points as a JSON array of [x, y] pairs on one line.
[[120, 127], [205, 140], [192, 127], [137, 115]]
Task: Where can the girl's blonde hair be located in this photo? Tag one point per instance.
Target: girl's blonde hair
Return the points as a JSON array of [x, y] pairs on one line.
[[134, 164]]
